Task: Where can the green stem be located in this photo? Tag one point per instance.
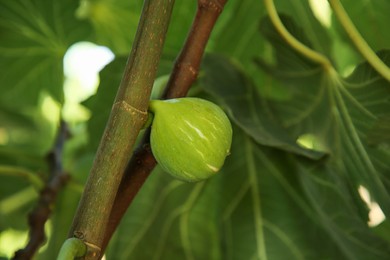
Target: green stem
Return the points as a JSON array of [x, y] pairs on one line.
[[71, 249], [127, 117], [24, 173], [359, 42], [149, 121], [292, 41]]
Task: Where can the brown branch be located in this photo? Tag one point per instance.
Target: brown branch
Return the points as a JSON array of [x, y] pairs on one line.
[[41, 213], [187, 65], [184, 73]]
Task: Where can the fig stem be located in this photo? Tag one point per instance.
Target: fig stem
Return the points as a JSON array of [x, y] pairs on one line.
[[359, 42], [72, 248], [127, 117], [183, 75], [149, 121]]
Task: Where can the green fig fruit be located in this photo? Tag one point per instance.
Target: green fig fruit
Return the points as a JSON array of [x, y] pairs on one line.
[[190, 137]]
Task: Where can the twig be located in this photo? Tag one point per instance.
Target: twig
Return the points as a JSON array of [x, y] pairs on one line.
[[183, 75], [127, 117], [41, 213], [187, 65]]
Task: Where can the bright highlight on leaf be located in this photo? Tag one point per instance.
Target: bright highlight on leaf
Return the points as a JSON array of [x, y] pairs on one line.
[[322, 11], [50, 109], [310, 141], [376, 215], [11, 240], [82, 63], [4, 136]]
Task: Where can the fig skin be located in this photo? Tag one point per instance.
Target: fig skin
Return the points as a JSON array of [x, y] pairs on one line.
[[190, 137]]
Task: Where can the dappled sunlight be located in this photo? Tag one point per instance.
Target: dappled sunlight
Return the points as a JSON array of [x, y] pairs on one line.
[[50, 109], [375, 215], [82, 64], [4, 136], [322, 12], [311, 142], [10, 241]]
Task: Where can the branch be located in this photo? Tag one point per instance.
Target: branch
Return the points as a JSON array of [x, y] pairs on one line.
[[127, 117], [359, 42], [41, 213], [184, 73], [186, 68]]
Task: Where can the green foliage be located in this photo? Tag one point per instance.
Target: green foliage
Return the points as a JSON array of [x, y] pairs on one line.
[[305, 138]]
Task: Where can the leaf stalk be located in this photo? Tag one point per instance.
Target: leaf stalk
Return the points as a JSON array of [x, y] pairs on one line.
[[359, 42], [292, 41], [30, 176]]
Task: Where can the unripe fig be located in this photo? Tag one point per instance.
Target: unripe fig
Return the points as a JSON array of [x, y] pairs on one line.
[[190, 137]]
